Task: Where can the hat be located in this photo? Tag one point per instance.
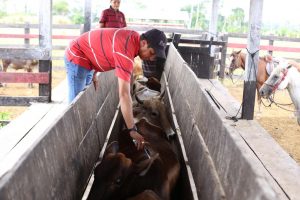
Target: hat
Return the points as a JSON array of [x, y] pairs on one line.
[[157, 41]]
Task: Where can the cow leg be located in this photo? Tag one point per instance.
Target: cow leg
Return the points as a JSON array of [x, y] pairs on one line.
[[4, 69]]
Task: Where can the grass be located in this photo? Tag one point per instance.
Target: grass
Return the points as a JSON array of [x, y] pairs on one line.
[[4, 116]]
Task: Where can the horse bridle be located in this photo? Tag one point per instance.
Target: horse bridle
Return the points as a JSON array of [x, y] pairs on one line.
[[277, 83], [235, 58]]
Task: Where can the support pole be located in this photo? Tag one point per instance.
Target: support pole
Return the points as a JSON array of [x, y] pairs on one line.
[[255, 17], [45, 42], [87, 16]]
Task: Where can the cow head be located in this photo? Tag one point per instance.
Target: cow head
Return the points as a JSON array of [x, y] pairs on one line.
[[116, 175], [158, 112]]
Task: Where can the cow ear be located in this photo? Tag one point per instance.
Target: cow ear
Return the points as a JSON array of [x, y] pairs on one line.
[[144, 166], [112, 148]]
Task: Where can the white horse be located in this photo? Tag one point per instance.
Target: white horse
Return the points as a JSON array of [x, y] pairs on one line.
[[284, 76]]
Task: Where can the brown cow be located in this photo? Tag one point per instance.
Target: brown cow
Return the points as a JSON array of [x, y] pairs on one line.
[[154, 110], [146, 195], [16, 64], [125, 172]]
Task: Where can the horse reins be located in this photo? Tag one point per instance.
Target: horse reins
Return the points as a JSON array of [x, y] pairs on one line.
[[276, 85]]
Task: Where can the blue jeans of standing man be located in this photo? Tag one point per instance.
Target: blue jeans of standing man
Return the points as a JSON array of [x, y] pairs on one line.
[[78, 78]]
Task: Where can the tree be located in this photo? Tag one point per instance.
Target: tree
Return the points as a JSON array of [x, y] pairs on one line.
[[198, 19], [3, 5], [60, 8], [236, 21], [77, 16]]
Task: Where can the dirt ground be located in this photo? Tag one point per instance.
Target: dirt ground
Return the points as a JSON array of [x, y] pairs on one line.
[[281, 124]]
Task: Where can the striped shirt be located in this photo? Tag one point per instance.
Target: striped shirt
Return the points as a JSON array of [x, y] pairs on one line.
[[106, 49], [112, 18], [153, 68]]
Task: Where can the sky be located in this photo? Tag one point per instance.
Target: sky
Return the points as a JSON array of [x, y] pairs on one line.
[[273, 11]]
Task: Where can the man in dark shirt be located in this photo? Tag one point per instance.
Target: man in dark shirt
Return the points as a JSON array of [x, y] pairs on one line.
[[112, 17], [153, 68]]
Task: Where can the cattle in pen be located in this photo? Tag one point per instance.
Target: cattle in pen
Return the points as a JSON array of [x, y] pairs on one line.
[[126, 172], [151, 173], [27, 65]]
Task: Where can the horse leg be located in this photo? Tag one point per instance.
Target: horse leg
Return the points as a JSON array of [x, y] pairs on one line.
[[259, 101], [28, 68]]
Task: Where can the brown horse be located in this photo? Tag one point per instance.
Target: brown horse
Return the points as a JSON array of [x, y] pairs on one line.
[[238, 60]]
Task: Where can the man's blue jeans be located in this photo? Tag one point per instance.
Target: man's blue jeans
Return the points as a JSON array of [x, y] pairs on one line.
[[78, 78]]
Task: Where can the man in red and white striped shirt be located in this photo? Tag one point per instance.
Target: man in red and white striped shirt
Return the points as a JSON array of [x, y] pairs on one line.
[[112, 49]]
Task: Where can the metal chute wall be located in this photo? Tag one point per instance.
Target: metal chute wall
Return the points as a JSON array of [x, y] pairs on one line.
[[215, 151], [58, 164]]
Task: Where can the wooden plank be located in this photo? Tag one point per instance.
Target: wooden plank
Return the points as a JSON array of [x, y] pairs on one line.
[[15, 131], [33, 36], [36, 26], [266, 47], [9, 77], [25, 53], [283, 169], [265, 37], [21, 101]]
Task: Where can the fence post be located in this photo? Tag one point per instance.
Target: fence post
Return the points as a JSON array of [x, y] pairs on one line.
[[176, 39], [27, 31], [45, 42], [223, 57], [87, 16], [271, 43]]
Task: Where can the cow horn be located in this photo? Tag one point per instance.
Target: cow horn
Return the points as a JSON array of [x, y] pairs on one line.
[[112, 148], [138, 100]]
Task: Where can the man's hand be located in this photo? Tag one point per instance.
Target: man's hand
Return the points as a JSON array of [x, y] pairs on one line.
[[95, 81], [138, 138]]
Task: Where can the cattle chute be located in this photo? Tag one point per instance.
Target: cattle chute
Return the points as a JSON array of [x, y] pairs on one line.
[[54, 160]]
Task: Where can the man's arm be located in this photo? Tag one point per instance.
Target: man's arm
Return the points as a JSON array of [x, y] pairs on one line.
[[126, 109], [101, 25]]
